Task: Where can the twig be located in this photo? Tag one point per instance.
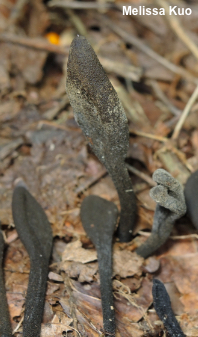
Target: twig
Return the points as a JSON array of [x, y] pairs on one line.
[[148, 51], [133, 110], [141, 175], [18, 325], [185, 113], [71, 302], [51, 113], [124, 70], [16, 12], [77, 22], [173, 237], [174, 163], [90, 181], [129, 71], [80, 5], [177, 28], [50, 123], [8, 148], [183, 237], [36, 43], [149, 135], [160, 95]]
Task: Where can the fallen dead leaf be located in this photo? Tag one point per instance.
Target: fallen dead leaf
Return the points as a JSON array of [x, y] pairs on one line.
[[83, 272], [126, 263], [56, 328], [74, 252]]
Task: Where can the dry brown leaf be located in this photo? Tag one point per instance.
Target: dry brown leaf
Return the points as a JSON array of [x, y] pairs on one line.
[[126, 263], [74, 252], [83, 272], [56, 328], [15, 303]]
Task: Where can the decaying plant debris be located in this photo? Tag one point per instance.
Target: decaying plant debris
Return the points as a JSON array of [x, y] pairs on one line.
[[155, 75]]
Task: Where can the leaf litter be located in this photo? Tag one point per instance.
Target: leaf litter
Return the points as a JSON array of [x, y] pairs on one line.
[[41, 144]]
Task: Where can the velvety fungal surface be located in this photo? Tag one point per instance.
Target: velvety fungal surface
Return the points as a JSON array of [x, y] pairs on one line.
[[191, 196], [99, 113], [162, 305], [35, 232], [99, 218], [170, 206], [5, 326]]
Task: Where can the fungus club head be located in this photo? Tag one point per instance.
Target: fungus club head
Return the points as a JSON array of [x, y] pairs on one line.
[[97, 108]]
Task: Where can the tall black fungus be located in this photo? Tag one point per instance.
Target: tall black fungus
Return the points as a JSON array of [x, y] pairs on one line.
[[99, 113], [162, 305], [99, 218], [35, 232], [170, 206]]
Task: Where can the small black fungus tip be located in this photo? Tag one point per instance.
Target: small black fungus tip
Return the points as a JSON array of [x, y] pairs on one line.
[[99, 218], [78, 41], [162, 305]]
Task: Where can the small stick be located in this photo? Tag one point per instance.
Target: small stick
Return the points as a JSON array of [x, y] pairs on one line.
[[125, 70], [160, 94], [148, 51], [35, 43], [16, 13], [77, 22], [185, 113], [177, 28], [162, 305], [149, 135], [141, 175], [174, 237], [80, 5]]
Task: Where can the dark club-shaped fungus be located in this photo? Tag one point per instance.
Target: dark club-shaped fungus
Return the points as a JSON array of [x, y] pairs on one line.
[[5, 326], [99, 113], [35, 232], [162, 305], [99, 218], [170, 206], [191, 196]]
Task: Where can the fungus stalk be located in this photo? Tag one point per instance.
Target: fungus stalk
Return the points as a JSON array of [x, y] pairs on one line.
[[35, 232], [99, 218], [99, 113], [170, 206], [162, 305]]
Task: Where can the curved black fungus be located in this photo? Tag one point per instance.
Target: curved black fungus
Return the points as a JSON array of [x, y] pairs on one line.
[[35, 232], [191, 197], [171, 206], [162, 305], [99, 218], [5, 326], [99, 113]]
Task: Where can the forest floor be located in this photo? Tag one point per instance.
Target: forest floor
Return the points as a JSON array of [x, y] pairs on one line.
[[152, 62]]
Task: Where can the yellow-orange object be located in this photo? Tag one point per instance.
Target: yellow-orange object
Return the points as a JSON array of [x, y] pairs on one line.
[[53, 38]]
